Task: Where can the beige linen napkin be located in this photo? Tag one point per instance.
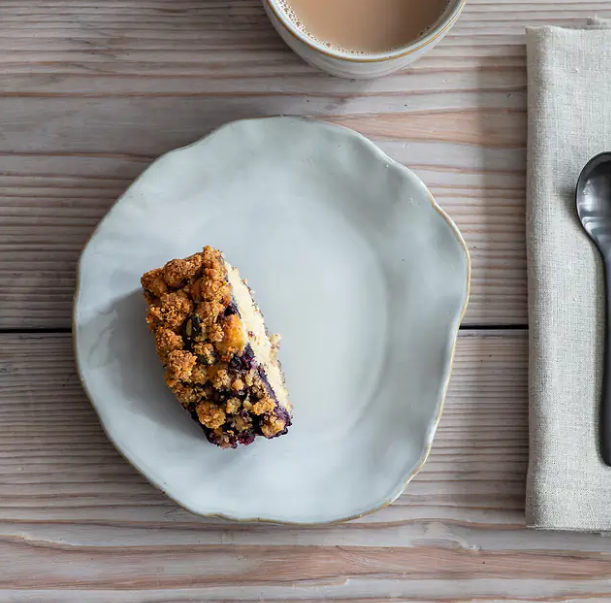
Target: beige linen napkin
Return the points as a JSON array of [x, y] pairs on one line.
[[569, 121]]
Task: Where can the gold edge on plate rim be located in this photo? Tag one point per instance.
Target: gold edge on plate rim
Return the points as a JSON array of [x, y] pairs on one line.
[[435, 422], [431, 36]]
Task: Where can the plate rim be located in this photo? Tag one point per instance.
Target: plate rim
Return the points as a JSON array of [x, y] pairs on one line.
[[431, 432]]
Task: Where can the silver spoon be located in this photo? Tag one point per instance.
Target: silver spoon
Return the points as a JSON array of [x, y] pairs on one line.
[[593, 198]]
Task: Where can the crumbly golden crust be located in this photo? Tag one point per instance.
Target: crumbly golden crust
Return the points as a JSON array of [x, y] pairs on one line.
[[210, 415], [272, 426], [204, 348], [180, 364]]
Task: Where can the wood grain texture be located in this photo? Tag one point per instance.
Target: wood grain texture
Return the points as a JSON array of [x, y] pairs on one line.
[[93, 91], [78, 524], [90, 93], [75, 515]]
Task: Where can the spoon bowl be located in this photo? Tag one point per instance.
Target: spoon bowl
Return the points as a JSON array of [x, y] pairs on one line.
[[593, 197], [593, 200]]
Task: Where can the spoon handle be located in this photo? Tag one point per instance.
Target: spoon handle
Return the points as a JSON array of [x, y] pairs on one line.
[[605, 411]]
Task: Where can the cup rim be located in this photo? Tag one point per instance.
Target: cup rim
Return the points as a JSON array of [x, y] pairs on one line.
[[401, 51]]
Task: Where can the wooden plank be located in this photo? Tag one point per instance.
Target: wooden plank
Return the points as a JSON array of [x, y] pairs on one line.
[[48, 212], [78, 524], [49, 435], [93, 92]]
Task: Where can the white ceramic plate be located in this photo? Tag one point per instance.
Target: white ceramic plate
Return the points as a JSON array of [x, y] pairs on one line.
[[351, 261]]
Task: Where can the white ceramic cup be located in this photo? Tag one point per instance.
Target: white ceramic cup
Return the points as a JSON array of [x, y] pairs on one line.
[[349, 65]]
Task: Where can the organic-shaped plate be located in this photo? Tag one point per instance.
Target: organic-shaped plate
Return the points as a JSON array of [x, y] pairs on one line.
[[351, 261]]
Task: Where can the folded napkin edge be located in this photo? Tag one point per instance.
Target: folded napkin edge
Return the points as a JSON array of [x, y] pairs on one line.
[[591, 23]]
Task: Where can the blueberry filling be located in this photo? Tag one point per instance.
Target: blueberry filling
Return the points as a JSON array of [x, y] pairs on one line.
[[245, 362], [283, 414], [192, 327], [231, 309], [246, 438], [206, 360], [263, 376], [232, 440], [193, 413], [235, 364]]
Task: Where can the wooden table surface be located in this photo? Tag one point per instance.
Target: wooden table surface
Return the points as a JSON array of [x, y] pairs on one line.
[[91, 91]]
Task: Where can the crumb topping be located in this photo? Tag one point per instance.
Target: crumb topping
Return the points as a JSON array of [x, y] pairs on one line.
[[167, 341], [171, 311], [272, 426], [263, 406], [234, 339], [232, 406], [153, 282], [177, 272], [202, 342], [210, 415], [180, 364]]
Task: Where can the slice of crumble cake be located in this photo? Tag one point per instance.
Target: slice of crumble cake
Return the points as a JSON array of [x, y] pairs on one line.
[[219, 359]]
